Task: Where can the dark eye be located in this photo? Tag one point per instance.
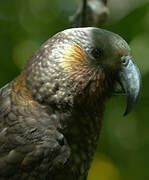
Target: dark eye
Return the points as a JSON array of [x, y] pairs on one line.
[[96, 52]]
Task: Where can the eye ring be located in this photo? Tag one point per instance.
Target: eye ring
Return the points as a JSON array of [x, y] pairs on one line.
[[96, 52]]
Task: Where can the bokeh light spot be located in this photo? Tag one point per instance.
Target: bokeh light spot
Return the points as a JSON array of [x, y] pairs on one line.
[[103, 168]]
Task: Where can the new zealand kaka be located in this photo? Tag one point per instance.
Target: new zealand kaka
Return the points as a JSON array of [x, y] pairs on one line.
[[50, 115]]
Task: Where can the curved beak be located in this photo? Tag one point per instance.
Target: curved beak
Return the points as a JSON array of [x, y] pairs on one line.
[[129, 78]]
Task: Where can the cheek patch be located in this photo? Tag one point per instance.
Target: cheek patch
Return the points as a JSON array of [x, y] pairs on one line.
[[74, 58]]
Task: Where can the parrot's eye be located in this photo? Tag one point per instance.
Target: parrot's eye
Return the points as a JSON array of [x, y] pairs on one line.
[[96, 52]]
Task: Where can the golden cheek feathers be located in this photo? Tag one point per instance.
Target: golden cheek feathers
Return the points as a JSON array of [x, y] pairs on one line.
[[74, 57]]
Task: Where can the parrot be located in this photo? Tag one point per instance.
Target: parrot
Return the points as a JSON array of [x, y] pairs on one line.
[[51, 114]]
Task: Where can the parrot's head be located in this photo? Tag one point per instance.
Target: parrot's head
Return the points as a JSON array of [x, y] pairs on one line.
[[83, 62]]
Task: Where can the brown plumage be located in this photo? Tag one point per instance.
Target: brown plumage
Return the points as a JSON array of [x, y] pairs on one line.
[[50, 115]]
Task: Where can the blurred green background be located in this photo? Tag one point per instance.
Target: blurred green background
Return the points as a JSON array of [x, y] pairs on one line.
[[123, 151]]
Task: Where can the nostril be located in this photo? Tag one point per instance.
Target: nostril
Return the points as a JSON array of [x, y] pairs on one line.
[[124, 61]]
